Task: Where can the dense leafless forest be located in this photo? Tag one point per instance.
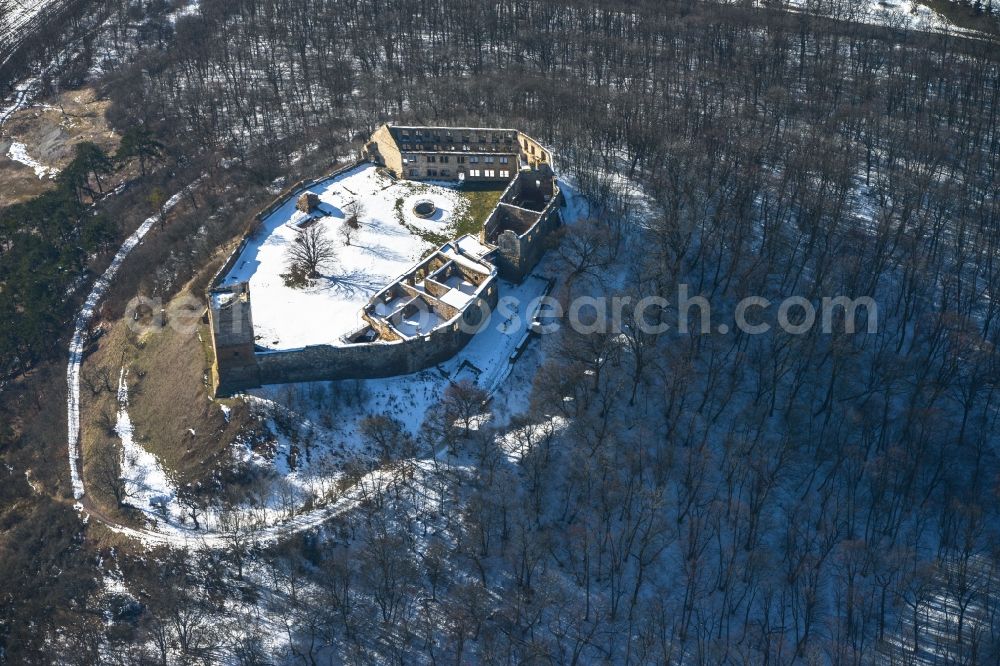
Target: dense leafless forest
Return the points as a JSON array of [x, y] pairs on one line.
[[699, 498]]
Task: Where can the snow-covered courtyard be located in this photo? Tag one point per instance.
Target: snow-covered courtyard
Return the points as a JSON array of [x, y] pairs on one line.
[[387, 243]]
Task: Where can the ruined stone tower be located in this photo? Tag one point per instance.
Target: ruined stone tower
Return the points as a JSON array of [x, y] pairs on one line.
[[235, 365]]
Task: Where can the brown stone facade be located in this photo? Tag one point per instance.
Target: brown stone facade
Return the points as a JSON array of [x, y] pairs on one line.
[[463, 154], [231, 321]]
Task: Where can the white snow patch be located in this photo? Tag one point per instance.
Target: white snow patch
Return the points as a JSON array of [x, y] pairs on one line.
[[146, 483], [517, 442], [18, 152], [905, 14], [190, 9], [19, 99]]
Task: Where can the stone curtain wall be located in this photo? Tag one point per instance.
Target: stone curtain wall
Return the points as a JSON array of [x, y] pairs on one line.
[[231, 370], [289, 192], [368, 360], [533, 244]]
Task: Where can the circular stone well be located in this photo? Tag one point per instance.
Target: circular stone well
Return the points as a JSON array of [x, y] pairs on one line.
[[424, 208]]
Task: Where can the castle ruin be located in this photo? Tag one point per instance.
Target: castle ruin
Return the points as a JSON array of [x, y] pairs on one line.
[[430, 312]]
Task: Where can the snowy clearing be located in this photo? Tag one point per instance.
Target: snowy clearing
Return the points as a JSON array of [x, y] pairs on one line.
[[386, 245]]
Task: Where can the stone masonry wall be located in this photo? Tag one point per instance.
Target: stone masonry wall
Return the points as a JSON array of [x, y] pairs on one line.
[[363, 361], [388, 151], [518, 255]]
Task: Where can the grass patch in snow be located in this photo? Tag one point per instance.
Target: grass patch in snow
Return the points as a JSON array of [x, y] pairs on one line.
[[479, 201], [482, 200]]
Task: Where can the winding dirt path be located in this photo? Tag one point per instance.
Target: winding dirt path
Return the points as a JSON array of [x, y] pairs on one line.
[[204, 538], [76, 345], [213, 539]]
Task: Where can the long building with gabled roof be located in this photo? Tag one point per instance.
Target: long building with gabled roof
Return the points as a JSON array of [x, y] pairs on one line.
[[463, 154]]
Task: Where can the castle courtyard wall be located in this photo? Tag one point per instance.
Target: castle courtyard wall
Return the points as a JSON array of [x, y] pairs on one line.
[[367, 360]]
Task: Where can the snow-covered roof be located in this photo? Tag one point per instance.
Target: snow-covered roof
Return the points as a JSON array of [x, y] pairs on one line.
[[471, 245]]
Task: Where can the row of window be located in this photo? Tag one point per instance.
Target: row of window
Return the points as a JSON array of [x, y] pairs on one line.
[[454, 148], [473, 173], [488, 173], [419, 135], [431, 173], [460, 159]]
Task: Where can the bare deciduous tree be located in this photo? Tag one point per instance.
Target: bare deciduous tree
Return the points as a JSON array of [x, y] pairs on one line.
[[310, 252], [355, 210], [107, 472]]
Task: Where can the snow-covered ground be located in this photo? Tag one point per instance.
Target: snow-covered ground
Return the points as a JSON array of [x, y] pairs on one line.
[[190, 8], [302, 480], [146, 483], [385, 246], [913, 15], [19, 99], [486, 361], [517, 442], [16, 21], [18, 152], [895, 13], [80, 332]]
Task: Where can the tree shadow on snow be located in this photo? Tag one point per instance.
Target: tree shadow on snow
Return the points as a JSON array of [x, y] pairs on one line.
[[381, 252], [352, 283]]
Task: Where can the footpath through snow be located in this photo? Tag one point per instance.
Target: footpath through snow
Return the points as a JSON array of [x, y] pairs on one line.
[[76, 345], [203, 538]]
